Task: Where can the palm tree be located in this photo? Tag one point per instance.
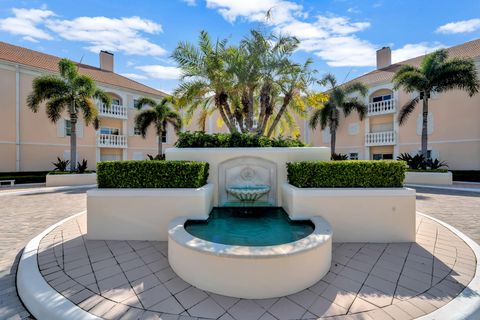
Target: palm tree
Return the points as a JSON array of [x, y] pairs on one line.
[[159, 114], [340, 98], [70, 91], [436, 74]]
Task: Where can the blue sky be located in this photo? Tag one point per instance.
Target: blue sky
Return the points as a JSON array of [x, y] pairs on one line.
[[340, 35]]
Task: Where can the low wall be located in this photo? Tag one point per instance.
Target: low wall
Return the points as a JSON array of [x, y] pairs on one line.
[[75, 179], [432, 178], [142, 214], [278, 156], [357, 215]]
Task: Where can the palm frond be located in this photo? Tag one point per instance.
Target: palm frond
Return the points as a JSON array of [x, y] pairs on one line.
[[144, 119], [55, 107], [407, 109], [68, 69], [410, 78], [457, 73], [145, 101], [89, 110], [45, 88], [355, 105], [355, 87]]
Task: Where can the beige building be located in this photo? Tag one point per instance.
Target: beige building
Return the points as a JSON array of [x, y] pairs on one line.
[[30, 142], [454, 128]]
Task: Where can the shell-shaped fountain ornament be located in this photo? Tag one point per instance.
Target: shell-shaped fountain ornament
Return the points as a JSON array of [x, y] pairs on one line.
[[248, 190]]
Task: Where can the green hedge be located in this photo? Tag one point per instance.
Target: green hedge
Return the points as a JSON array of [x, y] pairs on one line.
[[152, 174], [25, 176], [346, 174], [232, 140]]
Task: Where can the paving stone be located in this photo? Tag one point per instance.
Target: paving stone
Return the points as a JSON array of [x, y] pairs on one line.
[[246, 310], [286, 309]]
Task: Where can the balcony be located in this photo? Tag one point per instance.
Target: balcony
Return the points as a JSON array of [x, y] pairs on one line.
[[114, 111], [111, 141], [381, 107], [385, 138]]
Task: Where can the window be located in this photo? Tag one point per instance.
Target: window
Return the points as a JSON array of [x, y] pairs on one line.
[[382, 156], [68, 128], [164, 137], [116, 102], [114, 131], [353, 156], [136, 131], [382, 98]]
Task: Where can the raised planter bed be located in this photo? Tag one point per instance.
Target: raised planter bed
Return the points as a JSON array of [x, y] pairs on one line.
[[73, 179], [357, 214], [143, 214], [431, 178]]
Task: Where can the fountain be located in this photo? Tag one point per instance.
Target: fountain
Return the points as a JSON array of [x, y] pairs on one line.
[[248, 193]]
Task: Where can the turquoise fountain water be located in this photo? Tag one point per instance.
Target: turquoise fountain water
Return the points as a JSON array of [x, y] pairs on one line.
[[249, 226]]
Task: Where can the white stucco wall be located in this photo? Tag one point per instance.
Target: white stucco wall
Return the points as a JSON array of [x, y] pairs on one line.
[[357, 215], [279, 156], [431, 178], [142, 214], [56, 180]]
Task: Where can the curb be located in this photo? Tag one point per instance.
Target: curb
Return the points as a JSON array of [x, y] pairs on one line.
[[46, 189], [40, 299], [466, 305]]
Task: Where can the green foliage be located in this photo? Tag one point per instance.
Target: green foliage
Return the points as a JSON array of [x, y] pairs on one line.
[[152, 174], [157, 157], [61, 165], [339, 156], [418, 162], [436, 164], [82, 167], [346, 174], [232, 140]]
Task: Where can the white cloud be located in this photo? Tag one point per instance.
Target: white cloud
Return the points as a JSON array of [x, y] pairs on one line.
[[345, 51], [460, 26], [26, 23], [134, 76], [409, 51], [102, 33], [255, 10], [160, 72]]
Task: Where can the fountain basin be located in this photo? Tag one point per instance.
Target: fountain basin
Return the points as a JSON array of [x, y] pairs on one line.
[[246, 271], [248, 193]]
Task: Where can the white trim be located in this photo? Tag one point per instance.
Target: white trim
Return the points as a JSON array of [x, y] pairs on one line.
[[17, 118], [466, 305], [48, 144], [439, 142], [41, 300], [429, 186]]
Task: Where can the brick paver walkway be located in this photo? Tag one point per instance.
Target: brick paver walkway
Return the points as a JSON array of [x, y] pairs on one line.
[[24, 216]]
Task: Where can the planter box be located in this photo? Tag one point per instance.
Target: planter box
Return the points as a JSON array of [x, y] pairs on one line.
[[222, 158], [142, 214], [432, 178], [75, 179], [357, 215]]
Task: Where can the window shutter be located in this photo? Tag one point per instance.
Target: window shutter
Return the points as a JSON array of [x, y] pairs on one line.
[[61, 128], [80, 129]]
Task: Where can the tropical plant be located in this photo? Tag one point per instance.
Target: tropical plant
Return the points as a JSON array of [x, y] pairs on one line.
[[159, 114], [61, 165], [435, 164], [340, 98], [255, 86], [82, 167], [339, 156], [70, 91], [413, 162], [436, 74], [157, 157]]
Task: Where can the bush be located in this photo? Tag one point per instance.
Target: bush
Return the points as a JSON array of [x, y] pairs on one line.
[[61, 165], [339, 156], [232, 140], [346, 174], [152, 174]]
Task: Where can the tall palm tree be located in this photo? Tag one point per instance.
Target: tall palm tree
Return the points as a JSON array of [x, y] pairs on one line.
[[70, 91], [340, 98], [436, 74], [159, 114]]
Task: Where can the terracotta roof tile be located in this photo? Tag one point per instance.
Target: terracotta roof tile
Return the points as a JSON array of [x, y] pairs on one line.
[[48, 62], [469, 49]]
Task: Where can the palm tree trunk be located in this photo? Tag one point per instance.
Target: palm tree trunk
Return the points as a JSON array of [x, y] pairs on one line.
[[160, 143], [286, 101], [73, 142], [333, 141], [425, 126]]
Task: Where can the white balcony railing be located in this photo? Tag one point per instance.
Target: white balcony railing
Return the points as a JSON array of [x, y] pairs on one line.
[[111, 141], [114, 111], [385, 138], [381, 107]]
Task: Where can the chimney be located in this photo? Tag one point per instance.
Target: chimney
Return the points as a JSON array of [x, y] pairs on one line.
[[106, 61], [384, 57]]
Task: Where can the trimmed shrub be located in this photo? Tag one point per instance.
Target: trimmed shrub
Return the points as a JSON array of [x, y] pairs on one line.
[[232, 140], [346, 174], [152, 174]]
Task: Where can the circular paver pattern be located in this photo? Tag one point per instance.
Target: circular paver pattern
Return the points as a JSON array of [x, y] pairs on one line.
[[133, 280]]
